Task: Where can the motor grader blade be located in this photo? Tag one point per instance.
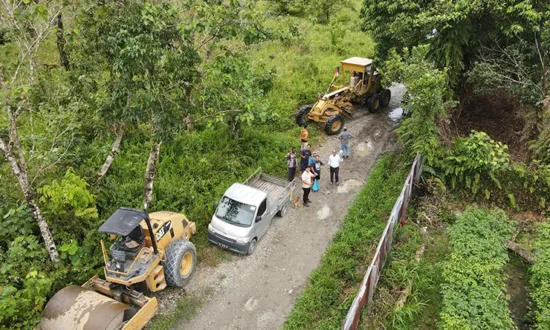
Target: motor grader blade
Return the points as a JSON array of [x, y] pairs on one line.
[[89, 307]]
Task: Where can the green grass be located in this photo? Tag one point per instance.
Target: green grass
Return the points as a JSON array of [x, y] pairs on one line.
[[424, 277], [333, 285], [474, 291], [185, 309], [540, 278]]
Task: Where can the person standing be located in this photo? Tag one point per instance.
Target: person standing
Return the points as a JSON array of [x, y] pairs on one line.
[[344, 139], [307, 182], [317, 167], [292, 162], [304, 137], [305, 153], [334, 164]]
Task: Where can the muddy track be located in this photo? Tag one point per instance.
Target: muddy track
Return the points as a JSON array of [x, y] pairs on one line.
[[259, 291]]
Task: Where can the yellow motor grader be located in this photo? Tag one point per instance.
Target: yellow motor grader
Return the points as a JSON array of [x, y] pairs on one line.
[[364, 88], [149, 252]]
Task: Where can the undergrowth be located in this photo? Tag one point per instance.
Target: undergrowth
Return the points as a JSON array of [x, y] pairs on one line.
[[540, 277], [474, 292], [333, 285], [408, 295]]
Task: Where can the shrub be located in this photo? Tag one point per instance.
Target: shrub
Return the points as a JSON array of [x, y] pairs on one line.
[[474, 289]]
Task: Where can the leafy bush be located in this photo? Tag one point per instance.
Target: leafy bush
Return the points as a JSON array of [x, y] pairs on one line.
[[473, 158], [474, 290], [540, 277], [328, 297]]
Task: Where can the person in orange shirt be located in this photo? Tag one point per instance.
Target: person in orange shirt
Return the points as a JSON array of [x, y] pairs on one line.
[[304, 137]]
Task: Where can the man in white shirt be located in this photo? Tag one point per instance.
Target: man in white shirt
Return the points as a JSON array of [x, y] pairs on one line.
[[334, 165], [307, 182]]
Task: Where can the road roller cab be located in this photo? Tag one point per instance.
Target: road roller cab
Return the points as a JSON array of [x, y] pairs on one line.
[[147, 251]]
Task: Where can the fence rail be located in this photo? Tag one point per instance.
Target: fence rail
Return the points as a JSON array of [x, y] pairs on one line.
[[368, 285]]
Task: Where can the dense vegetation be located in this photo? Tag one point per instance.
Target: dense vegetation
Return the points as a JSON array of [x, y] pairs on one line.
[[540, 277], [474, 290], [330, 290], [108, 99], [442, 51]]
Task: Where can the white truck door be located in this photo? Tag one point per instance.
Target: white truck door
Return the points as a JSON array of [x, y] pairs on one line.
[[262, 219]]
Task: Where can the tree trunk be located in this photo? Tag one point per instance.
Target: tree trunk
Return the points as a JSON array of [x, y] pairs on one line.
[[23, 180], [60, 34], [150, 173], [114, 152]]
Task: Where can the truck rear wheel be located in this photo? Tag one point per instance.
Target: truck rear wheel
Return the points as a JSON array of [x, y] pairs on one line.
[[181, 259], [301, 115], [334, 124], [283, 210], [374, 103]]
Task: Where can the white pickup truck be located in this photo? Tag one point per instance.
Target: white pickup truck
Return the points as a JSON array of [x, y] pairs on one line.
[[245, 211]]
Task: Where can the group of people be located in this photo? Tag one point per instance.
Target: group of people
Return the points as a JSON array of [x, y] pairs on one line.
[[310, 162]]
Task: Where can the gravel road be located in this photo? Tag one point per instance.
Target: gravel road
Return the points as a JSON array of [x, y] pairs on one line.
[[258, 292]]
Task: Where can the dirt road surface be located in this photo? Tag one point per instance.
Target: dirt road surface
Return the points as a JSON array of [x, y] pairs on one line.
[[258, 292]]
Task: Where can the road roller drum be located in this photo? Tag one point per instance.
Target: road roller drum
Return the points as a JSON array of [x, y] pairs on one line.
[[78, 308]]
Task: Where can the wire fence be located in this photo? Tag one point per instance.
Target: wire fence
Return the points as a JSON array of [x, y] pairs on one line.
[[368, 285]]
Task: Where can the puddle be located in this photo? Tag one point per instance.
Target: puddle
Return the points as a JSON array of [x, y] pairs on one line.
[[324, 213], [362, 149], [342, 189], [396, 115], [352, 184]]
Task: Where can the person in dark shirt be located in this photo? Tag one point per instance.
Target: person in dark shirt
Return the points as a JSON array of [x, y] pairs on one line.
[[317, 167], [306, 153]]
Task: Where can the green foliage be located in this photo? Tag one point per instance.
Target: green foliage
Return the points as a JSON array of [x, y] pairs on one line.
[[473, 158], [426, 88], [136, 63], [23, 284], [327, 297], [69, 201], [422, 277], [540, 277], [454, 30], [474, 289]]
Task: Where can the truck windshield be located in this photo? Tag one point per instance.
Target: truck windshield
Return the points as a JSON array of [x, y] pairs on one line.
[[235, 212]]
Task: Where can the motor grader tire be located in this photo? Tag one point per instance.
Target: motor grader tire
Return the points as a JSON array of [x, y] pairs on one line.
[[374, 103], [301, 115], [181, 261], [334, 124], [385, 98]]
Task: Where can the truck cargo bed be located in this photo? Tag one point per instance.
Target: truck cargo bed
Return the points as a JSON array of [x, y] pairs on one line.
[[275, 190]]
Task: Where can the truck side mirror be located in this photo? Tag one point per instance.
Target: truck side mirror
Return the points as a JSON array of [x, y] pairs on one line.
[[216, 204], [258, 218]]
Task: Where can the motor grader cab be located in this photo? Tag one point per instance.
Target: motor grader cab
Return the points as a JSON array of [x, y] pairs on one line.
[[359, 83], [148, 252]]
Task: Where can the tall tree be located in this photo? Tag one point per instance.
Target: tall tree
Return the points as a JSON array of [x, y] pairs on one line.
[[150, 71], [454, 30], [17, 78]]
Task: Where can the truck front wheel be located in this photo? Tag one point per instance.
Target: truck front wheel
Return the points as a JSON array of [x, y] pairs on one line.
[[252, 247]]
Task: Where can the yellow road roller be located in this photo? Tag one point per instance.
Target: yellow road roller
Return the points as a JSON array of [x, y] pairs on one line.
[[148, 253]]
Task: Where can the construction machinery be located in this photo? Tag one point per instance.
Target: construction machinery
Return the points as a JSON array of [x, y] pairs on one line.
[[149, 252], [360, 83]]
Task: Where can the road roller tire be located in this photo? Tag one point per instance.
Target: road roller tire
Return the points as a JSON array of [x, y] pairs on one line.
[[181, 261], [385, 98], [301, 115], [334, 124], [374, 103]]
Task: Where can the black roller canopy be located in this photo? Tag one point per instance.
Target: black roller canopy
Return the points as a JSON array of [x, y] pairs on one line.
[[123, 221]]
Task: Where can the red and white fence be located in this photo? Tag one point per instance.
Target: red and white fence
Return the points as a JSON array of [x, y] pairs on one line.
[[368, 285]]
